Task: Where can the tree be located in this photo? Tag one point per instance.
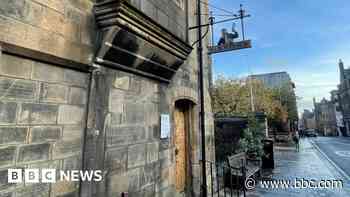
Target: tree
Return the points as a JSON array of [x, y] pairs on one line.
[[251, 142], [287, 98], [232, 97]]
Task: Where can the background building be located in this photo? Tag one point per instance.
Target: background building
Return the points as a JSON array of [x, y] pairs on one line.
[[325, 117], [338, 113], [308, 120], [344, 95], [283, 84], [275, 80], [111, 86]]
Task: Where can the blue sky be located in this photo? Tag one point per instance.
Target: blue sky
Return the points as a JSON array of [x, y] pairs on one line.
[[306, 38]]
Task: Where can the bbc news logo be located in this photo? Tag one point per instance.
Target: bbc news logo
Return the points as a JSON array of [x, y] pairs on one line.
[[52, 175]]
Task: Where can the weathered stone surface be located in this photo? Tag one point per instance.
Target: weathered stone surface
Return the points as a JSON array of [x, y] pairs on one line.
[[15, 66], [116, 160], [33, 13], [17, 89], [70, 144], [76, 78], [136, 3], [148, 8], [122, 82], [116, 118], [117, 184], [153, 132], [148, 175], [48, 73], [34, 190], [163, 19], [53, 93], [72, 132], [163, 181], [45, 133], [66, 148], [4, 184], [51, 20], [77, 96], [152, 152], [117, 101], [134, 179], [124, 135], [135, 86], [82, 5], [147, 191], [63, 187], [167, 192], [7, 155], [70, 194], [72, 163], [7, 112], [56, 5], [13, 135], [34, 152], [70, 114], [151, 114], [136, 155], [6, 194], [38, 114], [45, 165], [134, 113], [12, 8]]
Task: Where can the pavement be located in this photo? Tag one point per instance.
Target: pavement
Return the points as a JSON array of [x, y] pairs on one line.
[[309, 165]]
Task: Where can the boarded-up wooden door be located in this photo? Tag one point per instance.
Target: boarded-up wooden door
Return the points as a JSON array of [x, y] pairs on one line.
[[180, 149], [182, 117]]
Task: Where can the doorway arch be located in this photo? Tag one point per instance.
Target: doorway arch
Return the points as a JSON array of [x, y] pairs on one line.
[[183, 141]]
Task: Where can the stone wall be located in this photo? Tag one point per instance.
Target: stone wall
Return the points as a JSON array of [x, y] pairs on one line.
[[171, 14], [42, 118], [63, 28], [43, 107], [132, 156]]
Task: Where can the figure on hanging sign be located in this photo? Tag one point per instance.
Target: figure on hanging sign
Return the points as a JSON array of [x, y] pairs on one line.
[[227, 38]]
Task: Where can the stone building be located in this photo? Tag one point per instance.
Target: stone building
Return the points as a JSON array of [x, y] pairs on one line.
[[308, 120], [338, 113], [344, 96], [85, 85], [325, 118]]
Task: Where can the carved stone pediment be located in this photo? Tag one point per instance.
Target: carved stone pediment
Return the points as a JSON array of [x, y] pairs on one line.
[[134, 42]]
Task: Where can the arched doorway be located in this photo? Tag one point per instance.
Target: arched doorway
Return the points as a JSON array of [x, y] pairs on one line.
[[183, 119]]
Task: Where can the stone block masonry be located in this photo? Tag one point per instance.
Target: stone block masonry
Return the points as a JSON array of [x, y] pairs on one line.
[[42, 116]]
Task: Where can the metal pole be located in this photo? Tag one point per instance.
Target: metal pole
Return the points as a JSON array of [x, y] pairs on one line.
[[241, 15], [201, 84], [212, 181], [251, 94], [212, 28], [217, 22]]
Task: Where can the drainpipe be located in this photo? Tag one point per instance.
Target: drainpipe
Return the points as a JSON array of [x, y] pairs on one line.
[[201, 86]]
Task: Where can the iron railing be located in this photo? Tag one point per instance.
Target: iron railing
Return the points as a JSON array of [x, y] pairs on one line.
[[221, 182]]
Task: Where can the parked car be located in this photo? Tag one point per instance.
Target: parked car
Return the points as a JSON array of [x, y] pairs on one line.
[[310, 133]]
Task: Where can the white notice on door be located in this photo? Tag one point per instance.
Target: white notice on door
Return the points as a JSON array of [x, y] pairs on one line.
[[164, 126]]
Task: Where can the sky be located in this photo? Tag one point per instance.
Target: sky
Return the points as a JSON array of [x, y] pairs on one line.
[[305, 38]]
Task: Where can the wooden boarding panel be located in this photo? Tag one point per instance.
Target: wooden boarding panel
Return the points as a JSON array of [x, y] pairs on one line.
[[180, 154]]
